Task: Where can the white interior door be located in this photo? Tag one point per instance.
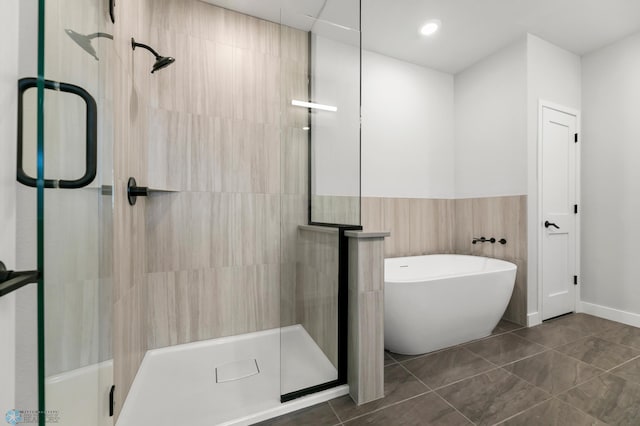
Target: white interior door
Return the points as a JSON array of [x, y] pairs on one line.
[[558, 220]]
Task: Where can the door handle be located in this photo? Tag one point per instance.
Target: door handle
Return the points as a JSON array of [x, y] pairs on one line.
[[548, 224], [91, 134]]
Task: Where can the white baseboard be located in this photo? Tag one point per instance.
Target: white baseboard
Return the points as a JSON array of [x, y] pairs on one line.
[[533, 319], [612, 314]]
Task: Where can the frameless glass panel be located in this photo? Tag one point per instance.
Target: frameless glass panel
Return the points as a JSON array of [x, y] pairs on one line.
[[75, 235], [320, 158], [334, 115]]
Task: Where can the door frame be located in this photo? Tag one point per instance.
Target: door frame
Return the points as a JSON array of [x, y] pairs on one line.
[[539, 234]]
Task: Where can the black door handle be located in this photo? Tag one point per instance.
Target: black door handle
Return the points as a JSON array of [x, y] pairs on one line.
[[548, 224], [91, 141]]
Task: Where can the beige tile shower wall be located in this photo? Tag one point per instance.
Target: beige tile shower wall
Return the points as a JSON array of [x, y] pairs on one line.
[[335, 209], [206, 260], [417, 225], [317, 287], [498, 217], [216, 140], [130, 89], [294, 162]]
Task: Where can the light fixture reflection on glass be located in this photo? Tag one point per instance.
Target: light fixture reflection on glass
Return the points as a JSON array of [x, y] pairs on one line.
[[430, 28], [306, 128], [312, 105]]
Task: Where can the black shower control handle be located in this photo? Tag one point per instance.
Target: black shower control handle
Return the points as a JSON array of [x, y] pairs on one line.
[[548, 224], [134, 191]]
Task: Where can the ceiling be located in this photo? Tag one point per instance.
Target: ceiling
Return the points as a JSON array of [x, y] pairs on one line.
[[471, 29]]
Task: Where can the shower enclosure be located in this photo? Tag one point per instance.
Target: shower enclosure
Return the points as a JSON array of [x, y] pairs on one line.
[[64, 214], [220, 298]]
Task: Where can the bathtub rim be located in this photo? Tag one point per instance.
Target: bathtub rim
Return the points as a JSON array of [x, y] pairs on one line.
[[506, 266]]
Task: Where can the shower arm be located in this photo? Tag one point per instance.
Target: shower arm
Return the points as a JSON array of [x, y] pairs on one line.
[[135, 44]]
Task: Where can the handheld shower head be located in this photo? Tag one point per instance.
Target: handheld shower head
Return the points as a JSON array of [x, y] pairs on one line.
[[161, 61]]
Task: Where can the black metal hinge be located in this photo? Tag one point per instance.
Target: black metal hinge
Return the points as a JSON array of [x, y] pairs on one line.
[[111, 402], [575, 209], [575, 280], [575, 137]]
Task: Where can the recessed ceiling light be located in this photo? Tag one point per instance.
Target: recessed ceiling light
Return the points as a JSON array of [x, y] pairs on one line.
[[430, 28]]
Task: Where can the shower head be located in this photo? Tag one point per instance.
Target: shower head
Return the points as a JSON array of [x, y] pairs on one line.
[[84, 41], [161, 61]]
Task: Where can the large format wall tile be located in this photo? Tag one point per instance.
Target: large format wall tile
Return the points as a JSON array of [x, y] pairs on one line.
[[335, 209], [418, 226], [317, 288], [366, 318]]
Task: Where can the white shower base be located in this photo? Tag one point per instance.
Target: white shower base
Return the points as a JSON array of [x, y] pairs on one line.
[[80, 397], [177, 384]]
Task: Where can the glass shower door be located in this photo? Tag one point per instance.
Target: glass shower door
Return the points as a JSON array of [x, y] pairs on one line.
[[64, 203], [320, 169]]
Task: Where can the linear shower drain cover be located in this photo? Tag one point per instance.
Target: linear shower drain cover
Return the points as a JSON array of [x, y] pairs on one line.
[[237, 370]]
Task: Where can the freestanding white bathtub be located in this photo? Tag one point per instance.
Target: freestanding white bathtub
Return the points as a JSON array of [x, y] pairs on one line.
[[436, 301]]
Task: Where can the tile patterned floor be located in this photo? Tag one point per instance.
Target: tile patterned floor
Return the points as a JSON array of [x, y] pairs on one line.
[[572, 371]]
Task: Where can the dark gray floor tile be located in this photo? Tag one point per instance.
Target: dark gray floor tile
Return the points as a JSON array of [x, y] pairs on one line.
[[552, 334], [492, 397], [504, 348], [443, 368], [553, 413], [552, 371], [586, 323], [624, 335], [388, 359], [400, 357], [505, 326], [599, 352], [320, 415], [425, 410], [398, 385], [629, 370], [611, 399]]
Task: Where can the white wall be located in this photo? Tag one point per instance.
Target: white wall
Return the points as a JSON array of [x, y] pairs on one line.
[[8, 78], [407, 130], [553, 74], [611, 175], [490, 125]]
